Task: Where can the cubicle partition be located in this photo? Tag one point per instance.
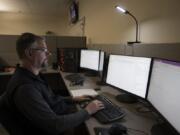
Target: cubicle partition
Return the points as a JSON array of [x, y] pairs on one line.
[[8, 47], [159, 50]]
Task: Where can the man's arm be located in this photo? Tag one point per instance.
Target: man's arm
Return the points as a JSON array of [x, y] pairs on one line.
[[77, 99], [34, 107]]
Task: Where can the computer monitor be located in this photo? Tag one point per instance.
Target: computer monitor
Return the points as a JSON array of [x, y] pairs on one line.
[[89, 59], [129, 74], [164, 94], [101, 60], [102, 68], [92, 60]]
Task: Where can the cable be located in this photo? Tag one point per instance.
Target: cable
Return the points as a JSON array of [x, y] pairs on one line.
[[139, 131], [143, 110]]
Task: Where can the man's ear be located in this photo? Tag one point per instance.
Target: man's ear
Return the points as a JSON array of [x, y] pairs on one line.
[[28, 53]]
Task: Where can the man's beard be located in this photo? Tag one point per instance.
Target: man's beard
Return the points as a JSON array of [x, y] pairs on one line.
[[44, 64]]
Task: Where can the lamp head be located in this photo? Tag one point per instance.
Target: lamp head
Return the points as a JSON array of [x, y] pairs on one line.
[[122, 10]]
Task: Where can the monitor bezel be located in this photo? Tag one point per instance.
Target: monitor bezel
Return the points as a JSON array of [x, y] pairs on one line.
[[125, 91]]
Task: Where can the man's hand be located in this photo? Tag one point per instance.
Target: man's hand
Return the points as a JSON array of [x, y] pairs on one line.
[[94, 106]]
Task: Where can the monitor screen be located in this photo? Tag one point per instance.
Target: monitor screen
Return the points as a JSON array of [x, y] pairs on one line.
[[164, 90], [90, 59], [129, 73]]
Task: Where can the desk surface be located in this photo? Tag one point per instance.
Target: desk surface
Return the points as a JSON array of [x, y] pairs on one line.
[[48, 70], [134, 120]]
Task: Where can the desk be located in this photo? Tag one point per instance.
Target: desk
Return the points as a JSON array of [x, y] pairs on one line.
[[133, 119]]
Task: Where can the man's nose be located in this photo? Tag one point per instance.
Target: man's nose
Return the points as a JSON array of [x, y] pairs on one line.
[[48, 53]]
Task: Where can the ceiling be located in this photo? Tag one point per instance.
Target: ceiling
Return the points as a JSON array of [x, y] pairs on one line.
[[41, 7]]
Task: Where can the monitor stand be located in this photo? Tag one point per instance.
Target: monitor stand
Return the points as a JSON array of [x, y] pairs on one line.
[[100, 83], [126, 98], [162, 129], [91, 74]]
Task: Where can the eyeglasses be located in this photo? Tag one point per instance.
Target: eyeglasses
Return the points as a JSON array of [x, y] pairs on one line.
[[41, 49]]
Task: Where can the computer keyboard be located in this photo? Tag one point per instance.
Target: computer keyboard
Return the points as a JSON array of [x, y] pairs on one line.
[[72, 76], [75, 79], [110, 113]]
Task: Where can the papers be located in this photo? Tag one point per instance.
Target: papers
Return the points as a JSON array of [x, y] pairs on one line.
[[81, 92]]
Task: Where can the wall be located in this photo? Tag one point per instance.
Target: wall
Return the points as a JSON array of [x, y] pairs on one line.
[[159, 21], [17, 23]]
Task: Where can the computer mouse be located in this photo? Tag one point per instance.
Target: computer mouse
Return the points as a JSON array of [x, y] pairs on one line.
[[97, 89], [117, 129]]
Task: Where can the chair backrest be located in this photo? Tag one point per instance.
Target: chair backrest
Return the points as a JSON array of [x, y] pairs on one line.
[[15, 125], [9, 122]]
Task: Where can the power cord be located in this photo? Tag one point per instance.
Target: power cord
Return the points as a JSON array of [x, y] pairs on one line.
[[145, 108], [136, 130]]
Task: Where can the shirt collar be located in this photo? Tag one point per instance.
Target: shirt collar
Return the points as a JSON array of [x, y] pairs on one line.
[[29, 73]]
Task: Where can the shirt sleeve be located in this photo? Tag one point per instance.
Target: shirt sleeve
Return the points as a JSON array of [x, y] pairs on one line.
[[30, 102], [68, 99]]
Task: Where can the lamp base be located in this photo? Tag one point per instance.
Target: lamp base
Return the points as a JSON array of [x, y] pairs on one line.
[[133, 42]]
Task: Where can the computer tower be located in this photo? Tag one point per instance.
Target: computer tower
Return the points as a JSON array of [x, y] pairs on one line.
[[68, 59]]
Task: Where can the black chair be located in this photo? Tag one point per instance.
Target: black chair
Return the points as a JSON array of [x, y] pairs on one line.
[[9, 122], [14, 125]]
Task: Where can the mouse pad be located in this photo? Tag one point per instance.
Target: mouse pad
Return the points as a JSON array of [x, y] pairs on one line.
[[101, 131]]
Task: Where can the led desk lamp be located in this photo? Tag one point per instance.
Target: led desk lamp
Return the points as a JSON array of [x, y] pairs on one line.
[[127, 12]]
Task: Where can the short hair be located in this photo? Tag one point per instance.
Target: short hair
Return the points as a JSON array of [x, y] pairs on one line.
[[25, 41]]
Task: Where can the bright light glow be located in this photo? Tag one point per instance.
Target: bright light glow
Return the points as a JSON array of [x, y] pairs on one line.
[[7, 6], [3, 7], [120, 9]]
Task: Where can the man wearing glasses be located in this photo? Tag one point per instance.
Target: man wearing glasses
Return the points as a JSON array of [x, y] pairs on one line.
[[29, 100]]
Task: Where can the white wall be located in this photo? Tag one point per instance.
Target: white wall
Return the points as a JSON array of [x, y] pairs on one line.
[[159, 21], [17, 23]]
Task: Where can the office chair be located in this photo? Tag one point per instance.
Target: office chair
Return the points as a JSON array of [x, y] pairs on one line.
[[14, 125], [9, 123]]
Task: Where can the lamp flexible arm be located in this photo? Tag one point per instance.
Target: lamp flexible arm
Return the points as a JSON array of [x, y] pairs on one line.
[[136, 24]]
